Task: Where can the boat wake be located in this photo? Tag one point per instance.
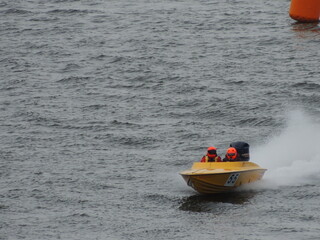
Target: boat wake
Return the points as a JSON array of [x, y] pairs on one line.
[[292, 157]]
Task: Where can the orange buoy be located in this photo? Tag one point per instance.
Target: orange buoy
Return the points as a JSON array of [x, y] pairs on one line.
[[305, 10]]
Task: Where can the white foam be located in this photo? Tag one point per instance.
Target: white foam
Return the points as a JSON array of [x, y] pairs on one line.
[[293, 156]]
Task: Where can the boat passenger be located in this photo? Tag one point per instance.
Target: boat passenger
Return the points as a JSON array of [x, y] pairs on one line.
[[231, 155], [211, 156]]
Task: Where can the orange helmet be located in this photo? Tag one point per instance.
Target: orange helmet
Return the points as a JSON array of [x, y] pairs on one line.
[[212, 152], [232, 153]]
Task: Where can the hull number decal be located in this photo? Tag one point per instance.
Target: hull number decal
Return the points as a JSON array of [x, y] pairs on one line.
[[232, 179], [190, 183]]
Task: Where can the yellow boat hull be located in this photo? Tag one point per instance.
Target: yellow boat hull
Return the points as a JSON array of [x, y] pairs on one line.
[[218, 177]]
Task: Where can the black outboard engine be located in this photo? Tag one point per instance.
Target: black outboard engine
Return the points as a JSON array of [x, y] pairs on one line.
[[242, 149]]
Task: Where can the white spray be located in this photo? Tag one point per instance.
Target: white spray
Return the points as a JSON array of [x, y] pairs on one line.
[[292, 157]]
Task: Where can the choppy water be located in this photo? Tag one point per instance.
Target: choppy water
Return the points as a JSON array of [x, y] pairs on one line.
[[102, 103]]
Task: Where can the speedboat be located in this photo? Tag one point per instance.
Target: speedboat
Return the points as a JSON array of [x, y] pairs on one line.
[[219, 177]]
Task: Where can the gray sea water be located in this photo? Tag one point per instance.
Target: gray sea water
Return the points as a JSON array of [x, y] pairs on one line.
[[103, 103]]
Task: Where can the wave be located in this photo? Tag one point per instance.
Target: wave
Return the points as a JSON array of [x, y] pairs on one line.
[[307, 86], [69, 11], [15, 11]]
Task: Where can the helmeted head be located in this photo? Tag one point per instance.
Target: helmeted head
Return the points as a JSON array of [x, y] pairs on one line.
[[212, 152], [231, 153]]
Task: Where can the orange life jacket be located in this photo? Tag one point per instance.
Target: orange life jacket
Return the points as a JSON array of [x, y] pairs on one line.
[[216, 159]]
